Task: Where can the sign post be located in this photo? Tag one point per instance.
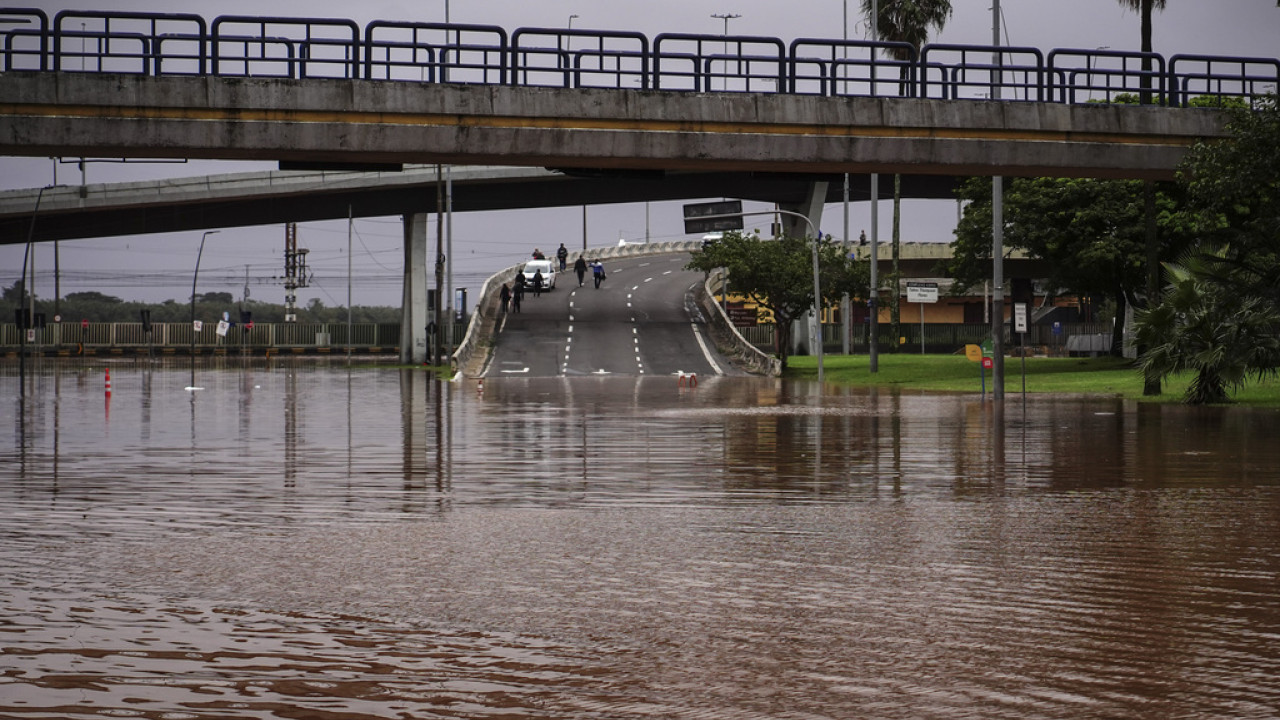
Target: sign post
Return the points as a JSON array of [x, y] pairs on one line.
[[1020, 327], [921, 293]]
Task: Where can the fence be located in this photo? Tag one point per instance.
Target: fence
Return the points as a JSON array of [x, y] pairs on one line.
[[307, 47], [180, 337], [938, 337]]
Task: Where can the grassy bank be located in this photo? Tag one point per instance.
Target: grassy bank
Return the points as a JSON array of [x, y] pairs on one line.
[[954, 373]]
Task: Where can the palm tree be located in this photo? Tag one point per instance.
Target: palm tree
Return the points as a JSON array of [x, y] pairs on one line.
[[1205, 326], [904, 21], [1145, 7]]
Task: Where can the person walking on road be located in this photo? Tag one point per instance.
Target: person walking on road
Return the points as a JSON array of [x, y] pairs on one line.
[[562, 255], [580, 267], [597, 272], [537, 283], [517, 294], [505, 296]]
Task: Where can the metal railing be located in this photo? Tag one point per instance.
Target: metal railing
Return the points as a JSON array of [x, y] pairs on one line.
[[179, 337], [248, 46]]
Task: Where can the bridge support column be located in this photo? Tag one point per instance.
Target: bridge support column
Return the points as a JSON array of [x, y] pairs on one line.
[[811, 208], [413, 321]]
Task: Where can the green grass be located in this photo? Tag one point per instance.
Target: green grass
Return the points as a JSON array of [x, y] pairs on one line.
[[954, 373]]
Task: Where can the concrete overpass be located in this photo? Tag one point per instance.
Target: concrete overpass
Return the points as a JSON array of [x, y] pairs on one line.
[[361, 121], [277, 197]]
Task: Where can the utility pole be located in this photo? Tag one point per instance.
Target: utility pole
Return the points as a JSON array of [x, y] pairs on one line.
[[295, 271], [997, 232], [873, 328]]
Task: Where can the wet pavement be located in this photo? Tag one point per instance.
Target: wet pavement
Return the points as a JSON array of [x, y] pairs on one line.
[[303, 541]]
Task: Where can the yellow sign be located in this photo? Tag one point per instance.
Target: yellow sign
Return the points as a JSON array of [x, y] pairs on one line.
[[973, 353]]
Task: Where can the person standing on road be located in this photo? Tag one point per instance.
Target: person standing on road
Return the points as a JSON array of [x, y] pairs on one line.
[[517, 294], [537, 283], [597, 272], [562, 255], [580, 267], [505, 296]]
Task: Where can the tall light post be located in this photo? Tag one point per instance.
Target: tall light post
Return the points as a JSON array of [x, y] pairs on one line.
[[997, 233], [726, 17], [873, 321], [194, 277], [22, 288], [571, 17]]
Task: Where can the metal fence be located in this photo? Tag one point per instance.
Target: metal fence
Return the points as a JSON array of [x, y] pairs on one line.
[[182, 337], [938, 337], [302, 47]]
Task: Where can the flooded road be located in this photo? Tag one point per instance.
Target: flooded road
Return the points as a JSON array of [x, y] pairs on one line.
[[304, 541]]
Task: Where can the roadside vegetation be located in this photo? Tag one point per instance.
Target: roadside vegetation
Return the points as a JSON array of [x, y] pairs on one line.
[[1109, 376]]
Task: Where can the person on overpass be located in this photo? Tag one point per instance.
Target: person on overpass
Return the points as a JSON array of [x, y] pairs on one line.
[[580, 267]]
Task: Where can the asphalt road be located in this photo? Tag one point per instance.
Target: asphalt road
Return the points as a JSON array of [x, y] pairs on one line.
[[640, 321]]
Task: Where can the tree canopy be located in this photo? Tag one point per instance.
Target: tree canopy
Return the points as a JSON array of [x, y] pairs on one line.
[[1220, 317], [778, 275]]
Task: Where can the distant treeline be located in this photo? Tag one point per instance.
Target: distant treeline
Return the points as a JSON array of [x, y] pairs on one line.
[[98, 307]]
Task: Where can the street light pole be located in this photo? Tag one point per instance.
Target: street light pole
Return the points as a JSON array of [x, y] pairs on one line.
[[997, 234], [22, 288], [194, 277], [726, 17], [873, 364]]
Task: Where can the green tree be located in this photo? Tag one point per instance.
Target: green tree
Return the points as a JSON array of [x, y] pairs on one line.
[[1207, 327], [778, 275], [904, 21], [1091, 233], [1233, 187], [1219, 318]]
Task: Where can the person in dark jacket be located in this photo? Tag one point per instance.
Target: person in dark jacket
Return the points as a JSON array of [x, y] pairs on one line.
[[580, 267]]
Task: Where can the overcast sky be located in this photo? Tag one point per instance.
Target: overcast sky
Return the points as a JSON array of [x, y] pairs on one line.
[[486, 242]]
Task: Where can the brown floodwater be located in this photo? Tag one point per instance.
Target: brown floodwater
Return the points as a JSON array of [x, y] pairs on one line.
[[300, 540]]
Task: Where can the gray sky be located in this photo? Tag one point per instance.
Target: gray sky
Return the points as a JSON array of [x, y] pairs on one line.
[[486, 242]]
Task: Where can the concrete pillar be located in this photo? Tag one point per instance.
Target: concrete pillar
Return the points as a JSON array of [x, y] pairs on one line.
[[810, 207], [413, 320]]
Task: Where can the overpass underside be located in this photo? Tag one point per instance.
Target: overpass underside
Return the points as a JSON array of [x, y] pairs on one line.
[[363, 121]]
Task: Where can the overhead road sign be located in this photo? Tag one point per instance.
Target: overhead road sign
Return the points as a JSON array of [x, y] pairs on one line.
[[713, 216]]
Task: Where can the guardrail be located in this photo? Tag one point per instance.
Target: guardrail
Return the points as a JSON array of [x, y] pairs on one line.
[[247, 46], [179, 337]]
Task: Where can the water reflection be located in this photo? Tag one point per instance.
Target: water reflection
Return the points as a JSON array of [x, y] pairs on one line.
[[304, 540]]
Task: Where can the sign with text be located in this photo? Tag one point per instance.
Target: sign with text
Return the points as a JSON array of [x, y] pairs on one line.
[[742, 316], [922, 292], [1020, 317], [713, 216]]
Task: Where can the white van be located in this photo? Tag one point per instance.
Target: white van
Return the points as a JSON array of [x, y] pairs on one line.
[[540, 266]]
